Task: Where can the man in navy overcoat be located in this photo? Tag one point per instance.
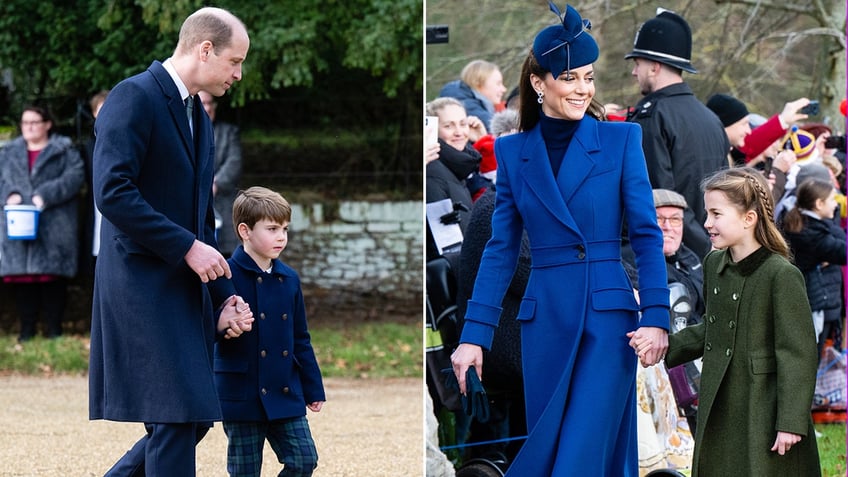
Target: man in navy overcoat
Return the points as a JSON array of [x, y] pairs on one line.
[[153, 324]]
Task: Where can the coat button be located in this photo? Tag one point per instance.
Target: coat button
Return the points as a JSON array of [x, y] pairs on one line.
[[280, 279], [262, 316], [728, 352], [285, 353], [709, 346], [264, 391], [286, 389], [735, 296], [285, 316], [259, 279], [732, 324], [715, 291], [712, 318], [262, 353]]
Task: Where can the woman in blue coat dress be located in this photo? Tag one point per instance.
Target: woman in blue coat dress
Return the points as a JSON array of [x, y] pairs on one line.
[[571, 181]]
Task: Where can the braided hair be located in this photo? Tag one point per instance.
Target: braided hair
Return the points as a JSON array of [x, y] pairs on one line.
[[748, 190]]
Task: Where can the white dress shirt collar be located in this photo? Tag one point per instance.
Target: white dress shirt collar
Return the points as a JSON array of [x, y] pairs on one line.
[[169, 67]]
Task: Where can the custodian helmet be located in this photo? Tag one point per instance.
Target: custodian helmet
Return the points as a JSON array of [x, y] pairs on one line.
[[666, 39]]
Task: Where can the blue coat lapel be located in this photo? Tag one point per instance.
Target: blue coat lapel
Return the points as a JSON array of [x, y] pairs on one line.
[[537, 175], [578, 162], [576, 166], [175, 106]]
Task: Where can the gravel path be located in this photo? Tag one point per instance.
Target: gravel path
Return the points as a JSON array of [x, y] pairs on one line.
[[367, 428]]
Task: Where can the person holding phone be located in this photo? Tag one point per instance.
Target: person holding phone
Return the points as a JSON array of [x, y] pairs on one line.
[[761, 137]]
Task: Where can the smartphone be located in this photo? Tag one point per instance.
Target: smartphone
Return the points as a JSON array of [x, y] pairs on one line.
[[767, 166], [835, 142], [811, 109], [431, 130]]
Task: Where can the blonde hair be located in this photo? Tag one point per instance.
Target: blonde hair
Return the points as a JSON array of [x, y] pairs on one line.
[[833, 164], [434, 107], [258, 203], [748, 190], [476, 73]]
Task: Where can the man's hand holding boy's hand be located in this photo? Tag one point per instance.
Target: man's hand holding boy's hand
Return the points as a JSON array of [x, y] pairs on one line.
[[236, 317]]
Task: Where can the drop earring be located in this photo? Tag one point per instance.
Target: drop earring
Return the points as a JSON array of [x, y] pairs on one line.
[[541, 97]]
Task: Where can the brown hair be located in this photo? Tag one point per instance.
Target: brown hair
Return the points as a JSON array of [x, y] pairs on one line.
[[258, 203], [528, 99], [808, 192], [748, 190], [43, 112]]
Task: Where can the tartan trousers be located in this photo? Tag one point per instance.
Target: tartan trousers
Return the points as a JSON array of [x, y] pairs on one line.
[[289, 438]]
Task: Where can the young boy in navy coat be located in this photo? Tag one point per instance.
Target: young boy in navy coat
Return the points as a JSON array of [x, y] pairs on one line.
[[268, 377]]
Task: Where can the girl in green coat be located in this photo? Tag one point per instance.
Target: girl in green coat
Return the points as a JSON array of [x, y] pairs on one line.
[[757, 343]]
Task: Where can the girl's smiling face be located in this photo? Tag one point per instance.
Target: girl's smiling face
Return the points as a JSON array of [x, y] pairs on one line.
[[726, 224], [826, 208]]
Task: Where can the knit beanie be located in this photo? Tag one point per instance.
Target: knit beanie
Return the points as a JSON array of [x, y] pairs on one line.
[[728, 109]]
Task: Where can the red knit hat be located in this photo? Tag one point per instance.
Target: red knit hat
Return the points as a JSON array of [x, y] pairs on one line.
[[486, 147]]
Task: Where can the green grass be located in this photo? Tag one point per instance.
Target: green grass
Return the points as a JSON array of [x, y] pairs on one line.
[[832, 449], [369, 350], [379, 350], [39, 356]]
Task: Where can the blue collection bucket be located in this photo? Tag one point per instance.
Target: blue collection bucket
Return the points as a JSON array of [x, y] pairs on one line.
[[21, 222]]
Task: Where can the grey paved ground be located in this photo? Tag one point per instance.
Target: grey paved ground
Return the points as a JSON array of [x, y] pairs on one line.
[[367, 428]]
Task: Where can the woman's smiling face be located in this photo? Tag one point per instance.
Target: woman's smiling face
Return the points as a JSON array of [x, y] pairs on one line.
[[453, 126], [569, 95]]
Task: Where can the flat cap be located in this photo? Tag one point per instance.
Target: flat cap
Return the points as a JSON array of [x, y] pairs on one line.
[[668, 198]]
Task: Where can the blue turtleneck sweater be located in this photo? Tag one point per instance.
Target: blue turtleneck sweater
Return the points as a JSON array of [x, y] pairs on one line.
[[557, 134]]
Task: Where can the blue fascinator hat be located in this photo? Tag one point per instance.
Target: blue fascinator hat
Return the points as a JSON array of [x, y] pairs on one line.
[[567, 45]]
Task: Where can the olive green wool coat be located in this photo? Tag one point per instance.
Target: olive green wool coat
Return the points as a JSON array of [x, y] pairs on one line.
[[759, 368]]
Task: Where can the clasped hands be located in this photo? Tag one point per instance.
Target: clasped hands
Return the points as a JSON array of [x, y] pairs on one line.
[[650, 344], [236, 317], [209, 264]]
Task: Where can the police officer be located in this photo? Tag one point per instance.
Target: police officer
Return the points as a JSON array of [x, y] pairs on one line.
[[683, 140]]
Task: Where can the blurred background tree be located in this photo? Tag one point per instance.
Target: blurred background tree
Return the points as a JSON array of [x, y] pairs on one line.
[[330, 90], [763, 52]]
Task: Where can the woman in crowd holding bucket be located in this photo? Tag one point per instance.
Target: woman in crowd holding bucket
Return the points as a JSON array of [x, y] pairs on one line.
[[40, 179]]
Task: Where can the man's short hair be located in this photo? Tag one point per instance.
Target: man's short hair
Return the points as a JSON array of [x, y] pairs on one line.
[[208, 23]]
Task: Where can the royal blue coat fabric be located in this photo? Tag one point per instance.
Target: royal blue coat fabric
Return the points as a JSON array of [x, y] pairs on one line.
[[579, 371], [153, 327]]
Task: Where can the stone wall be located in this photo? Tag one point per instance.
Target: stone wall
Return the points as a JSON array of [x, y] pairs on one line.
[[358, 254], [357, 260]]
